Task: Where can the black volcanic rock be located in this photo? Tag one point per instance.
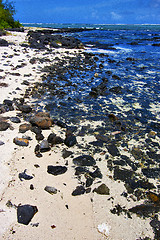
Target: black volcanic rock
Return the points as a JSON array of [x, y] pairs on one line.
[[3, 43], [25, 108], [102, 190], [116, 90], [41, 40], [15, 120], [24, 176], [70, 140], [113, 150], [56, 170], [66, 154], [84, 160], [44, 146], [78, 191], [25, 213], [151, 172]]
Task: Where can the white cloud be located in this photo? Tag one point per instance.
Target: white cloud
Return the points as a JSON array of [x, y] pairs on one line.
[[116, 16]]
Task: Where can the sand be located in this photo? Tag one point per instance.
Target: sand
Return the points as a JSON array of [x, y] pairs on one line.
[[59, 216]]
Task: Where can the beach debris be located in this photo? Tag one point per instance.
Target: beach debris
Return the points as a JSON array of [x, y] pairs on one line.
[[66, 153], [96, 174], [137, 153], [39, 136], [118, 210], [51, 137], [116, 90], [113, 150], [78, 191], [113, 117], [122, 174], [96, 75], [37, 151], [116, 77], [89, 180], [104, 229], [99, 90], [15, 119], [24, 176], [1, 143], [155, 224], [70, 139], [8, 105], [25, 82], [24, 127], [4, 126], [24, 108], [56, 140], [114, 133], [1, 210], [84, 160], [3, 85], [31, 187], [51, 190], [36, 129], [151, 172], [53, 226], [41, 120], [102, 190], [34, 224], [97, 143], [155, 198], [81, 170], [44, 146], [60, 124], [3, 43], [25, 213], [11, 205], [56, 170], [21, 141], [36, 165], [145, 210], [102, 138]]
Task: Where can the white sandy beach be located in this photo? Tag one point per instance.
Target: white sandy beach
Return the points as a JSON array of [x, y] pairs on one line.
[[59, 216]]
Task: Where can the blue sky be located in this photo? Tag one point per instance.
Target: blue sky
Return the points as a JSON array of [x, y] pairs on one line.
[[88, 11]]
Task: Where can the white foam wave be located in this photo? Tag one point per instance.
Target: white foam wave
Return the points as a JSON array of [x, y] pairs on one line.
[[96, 50], [123, 49]]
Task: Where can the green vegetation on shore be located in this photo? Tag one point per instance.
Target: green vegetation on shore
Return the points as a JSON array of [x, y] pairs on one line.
[[7, 11]]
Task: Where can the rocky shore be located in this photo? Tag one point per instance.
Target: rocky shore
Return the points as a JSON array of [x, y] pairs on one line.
[[67, 172]]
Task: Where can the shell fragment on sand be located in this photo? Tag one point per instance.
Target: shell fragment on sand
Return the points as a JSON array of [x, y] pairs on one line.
[[104, 229]]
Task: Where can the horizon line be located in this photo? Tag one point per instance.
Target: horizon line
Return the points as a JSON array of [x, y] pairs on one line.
[[94, 23]]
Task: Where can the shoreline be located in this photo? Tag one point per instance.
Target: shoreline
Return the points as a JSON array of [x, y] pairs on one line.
[[14, 86], [62, 215]]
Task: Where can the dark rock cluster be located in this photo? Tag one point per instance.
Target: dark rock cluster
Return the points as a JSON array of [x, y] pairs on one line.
[[39, 40]]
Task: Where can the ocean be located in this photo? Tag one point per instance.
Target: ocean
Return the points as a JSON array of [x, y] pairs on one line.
[[128, 56]]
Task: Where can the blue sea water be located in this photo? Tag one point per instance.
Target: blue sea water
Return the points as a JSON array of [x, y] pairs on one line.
[[131, 52]]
